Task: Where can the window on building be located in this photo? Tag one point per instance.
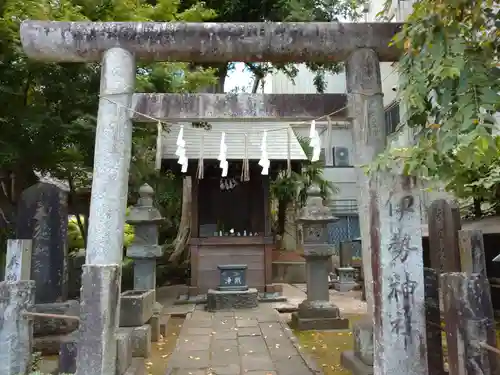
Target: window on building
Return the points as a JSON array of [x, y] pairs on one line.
[[345, 229], [341, 157], [392, 118], [338, 158]]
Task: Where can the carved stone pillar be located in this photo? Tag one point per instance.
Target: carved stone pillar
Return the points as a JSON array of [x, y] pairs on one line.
[[399, 333], [366, 112]]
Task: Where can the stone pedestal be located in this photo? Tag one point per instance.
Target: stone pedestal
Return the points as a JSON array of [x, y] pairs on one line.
[[99, 319], [360, 360], [233, 292], [346, 273], [346, 280], [229, 299], [317, 312], [145, 249]]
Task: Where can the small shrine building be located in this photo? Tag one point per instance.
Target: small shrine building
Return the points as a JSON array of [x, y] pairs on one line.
[[231, 219]]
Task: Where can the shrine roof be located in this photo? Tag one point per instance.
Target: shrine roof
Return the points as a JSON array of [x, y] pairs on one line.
[[208, 141]]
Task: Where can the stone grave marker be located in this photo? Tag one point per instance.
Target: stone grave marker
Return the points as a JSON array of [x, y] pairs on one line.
[[43, 218]]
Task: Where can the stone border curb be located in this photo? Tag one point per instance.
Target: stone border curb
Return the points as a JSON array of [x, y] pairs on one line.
[[310, 363]]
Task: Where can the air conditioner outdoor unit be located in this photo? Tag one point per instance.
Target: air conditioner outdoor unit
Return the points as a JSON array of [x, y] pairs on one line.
[[341, 157]]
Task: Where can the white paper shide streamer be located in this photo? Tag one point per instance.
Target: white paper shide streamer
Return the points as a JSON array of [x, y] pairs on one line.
[[159, 138], [264, 158], [223, 155], [315, 142], [181, 151]]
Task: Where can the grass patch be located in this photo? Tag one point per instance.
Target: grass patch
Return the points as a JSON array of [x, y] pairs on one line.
[[325, 347]]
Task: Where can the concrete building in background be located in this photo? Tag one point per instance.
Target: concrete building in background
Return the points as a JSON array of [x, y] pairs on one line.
[[337, 140]]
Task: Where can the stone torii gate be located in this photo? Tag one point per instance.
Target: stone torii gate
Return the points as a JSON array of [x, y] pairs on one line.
[[399, 330]]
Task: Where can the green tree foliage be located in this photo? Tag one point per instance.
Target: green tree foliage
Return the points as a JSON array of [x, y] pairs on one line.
[[48, 111], [76, 239], [450, 90], [279, 11]]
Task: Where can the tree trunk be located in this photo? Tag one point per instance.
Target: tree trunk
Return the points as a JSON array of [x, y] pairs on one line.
[[256, 82], [184, 233], [477, 208], [289, 237], [74, 198]]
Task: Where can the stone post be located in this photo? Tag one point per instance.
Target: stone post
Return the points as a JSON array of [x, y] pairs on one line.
[[444, 224], [472, 256], [470, 319], [16, 330], [317, 312], [101, 274], [366, 112], [145, 249]]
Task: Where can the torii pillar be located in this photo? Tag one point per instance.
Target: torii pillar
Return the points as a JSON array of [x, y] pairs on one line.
[[393, 338], [101, 274], [366, 112]]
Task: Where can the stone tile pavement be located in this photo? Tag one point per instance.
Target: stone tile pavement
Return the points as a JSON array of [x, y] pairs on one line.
[[347, 302], [243, 342]]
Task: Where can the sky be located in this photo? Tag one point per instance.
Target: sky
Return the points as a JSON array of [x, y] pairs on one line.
[[238, 78]]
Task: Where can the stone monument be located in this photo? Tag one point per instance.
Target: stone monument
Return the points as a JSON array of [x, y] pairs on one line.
[[233, 291], [317, 312], [43, 217]]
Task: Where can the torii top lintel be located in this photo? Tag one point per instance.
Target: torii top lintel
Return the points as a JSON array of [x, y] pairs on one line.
[[207, 42]]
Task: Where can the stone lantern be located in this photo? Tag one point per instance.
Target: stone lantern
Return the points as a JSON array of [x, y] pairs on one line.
[[145, 249], [346, 272], [317, 312]]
